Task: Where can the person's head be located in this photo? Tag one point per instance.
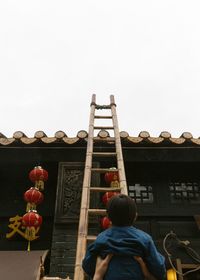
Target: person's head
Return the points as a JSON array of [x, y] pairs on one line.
[[121, 210]]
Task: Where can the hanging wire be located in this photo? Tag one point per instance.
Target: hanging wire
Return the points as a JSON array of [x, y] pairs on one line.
[[185, 244]]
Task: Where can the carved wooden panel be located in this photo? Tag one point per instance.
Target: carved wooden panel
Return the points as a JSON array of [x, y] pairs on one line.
[[69, 190], [72, 180]]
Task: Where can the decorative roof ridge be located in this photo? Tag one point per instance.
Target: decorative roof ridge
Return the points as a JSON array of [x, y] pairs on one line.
[[40, 136], [60, 136]]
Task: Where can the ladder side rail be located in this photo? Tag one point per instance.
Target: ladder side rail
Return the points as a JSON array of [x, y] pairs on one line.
[[83, 219], [120, 161]]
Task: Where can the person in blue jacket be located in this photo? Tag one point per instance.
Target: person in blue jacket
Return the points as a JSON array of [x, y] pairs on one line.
[[123, 241]]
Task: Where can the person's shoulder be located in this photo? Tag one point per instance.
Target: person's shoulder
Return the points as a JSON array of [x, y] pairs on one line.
[[142, 234], [103, 234], [100, 240]]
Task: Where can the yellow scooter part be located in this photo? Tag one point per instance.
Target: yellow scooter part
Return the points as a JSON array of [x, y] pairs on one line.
[[171, 274]]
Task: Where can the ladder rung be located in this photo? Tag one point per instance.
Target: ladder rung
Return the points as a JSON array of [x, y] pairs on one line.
[[104, 189], [97, 211], [106, 139], [102, 117], [189, 266], [102, 107], [54, 278], [103, 127], [91, 237], [104, 154], [103, 170]]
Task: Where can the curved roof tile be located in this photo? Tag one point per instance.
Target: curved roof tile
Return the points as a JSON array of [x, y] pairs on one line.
[[61, 137]]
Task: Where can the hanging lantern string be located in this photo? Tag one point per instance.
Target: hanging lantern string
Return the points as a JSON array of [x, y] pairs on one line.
[[33, 196], [29, 246]]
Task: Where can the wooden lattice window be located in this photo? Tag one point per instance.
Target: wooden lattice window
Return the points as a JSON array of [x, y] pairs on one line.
[[141, 193], [184, 191]]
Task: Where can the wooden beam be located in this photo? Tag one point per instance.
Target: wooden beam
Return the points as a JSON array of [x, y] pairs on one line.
[[179, 268], [197, 220]]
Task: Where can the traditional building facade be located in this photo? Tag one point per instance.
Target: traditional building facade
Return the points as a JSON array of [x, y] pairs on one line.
[[162, 175]]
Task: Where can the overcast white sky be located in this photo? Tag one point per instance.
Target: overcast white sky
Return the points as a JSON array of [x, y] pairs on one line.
[[55, 54]]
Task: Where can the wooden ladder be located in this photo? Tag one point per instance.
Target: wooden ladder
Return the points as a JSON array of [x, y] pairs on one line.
[[85, 210]]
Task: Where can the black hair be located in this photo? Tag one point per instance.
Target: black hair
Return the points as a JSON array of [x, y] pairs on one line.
[[121, 210]]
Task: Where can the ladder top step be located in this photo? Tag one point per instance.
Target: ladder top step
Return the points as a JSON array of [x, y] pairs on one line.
[[104, 154], [102, 117], [101, 212], [100, 107], [104, 189], [103, 127], [103, 170], [91, 237]]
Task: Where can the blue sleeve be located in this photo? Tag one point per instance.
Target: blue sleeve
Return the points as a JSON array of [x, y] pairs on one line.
[[155, 261], [89, 262]]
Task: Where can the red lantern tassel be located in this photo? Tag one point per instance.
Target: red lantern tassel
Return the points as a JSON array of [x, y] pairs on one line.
[[28, 207], [114, 184], [39, 185], [30, 233], [29, 246]]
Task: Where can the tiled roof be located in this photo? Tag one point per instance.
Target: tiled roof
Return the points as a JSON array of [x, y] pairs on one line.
[[143, 138]]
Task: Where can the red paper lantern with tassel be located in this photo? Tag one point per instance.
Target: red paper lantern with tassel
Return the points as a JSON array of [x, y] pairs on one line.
[[38, 175], [105, 222], [107, 196], [33, 197], [112, 178], [31, 221]]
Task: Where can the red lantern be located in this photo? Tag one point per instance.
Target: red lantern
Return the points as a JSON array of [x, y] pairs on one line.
[[105, 222], [31, 221], [107, 196], [34, 197], [38, 175], [111, 177]]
